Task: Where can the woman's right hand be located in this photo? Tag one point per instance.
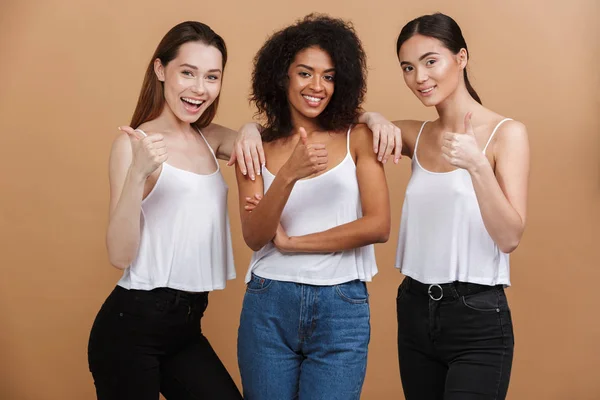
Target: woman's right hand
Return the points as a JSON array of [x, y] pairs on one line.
[[306, 160], [148, 151]]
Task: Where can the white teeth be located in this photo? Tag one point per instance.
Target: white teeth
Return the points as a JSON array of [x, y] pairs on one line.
[[310, 98], [427, 90], [192, 101]]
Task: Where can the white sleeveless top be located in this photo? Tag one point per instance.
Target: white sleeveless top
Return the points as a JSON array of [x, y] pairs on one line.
[[185, 242], [315, 205], [442, 235]]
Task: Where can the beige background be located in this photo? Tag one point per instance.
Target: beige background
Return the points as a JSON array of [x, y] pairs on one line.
[[71, 72]]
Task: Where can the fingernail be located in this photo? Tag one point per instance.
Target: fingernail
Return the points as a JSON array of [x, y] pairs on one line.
[[243, 172], [379, 158], [118, 127]]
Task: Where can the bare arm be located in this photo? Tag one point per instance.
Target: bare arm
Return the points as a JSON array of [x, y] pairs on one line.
[[502, 196], [244, 146], [127, 176], [260, 225], [372, 227], [387, 136]]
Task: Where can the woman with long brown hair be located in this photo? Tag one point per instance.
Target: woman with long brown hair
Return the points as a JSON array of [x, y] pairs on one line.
[[168, 230]]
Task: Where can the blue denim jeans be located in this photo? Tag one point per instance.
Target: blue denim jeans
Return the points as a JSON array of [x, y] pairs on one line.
[[305, 342]]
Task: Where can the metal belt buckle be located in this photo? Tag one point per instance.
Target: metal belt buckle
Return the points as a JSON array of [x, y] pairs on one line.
[[431, 296]]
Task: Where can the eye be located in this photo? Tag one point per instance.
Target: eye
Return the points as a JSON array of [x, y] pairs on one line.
[[407, 68], [430, 62], [329, 78], [213, 77], [187, 72], [304, 74]]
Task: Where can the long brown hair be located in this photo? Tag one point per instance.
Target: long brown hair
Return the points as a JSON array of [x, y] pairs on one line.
[[152, 100]]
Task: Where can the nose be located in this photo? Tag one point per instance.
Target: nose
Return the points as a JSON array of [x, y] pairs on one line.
[[199, 87], [316, 84], [422, 75]]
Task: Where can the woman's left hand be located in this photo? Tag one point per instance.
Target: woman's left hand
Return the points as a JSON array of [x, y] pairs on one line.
[[282, 241], [248, 150], [461, 149]]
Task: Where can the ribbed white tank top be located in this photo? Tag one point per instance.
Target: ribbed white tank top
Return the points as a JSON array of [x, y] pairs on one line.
[[442, 235], [185, 242], [316, 205]]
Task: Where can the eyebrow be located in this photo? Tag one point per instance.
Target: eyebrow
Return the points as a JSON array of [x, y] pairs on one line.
[[196, 68], [422, 57], [312, 69]]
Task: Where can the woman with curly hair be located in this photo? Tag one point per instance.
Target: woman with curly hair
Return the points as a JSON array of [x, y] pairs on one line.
[[304, 328]]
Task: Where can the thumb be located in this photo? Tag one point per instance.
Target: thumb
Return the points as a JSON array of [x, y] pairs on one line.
[[303, 135], [232, 158], [136, 134], [468, 124]]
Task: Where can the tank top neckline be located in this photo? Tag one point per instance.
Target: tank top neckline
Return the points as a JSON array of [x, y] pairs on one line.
[[416, 158], [328, 171], [185, 171]]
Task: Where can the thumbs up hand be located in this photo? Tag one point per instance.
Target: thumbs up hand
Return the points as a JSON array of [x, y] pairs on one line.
[[306, 160], [461, 149], [148, 151]]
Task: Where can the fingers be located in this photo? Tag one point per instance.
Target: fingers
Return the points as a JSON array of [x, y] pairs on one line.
[[232, 158], [468, 123], [390, 146], [252, 202], [398, 144], [133, 134], [239, 156], [383, 142], [255, 161], [376, 135], [249, 162], [303, 136], [261, 155]]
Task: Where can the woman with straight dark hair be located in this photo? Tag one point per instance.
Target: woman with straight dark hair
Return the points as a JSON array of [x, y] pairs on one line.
[[463, 213], [304, 329], [168, 230]]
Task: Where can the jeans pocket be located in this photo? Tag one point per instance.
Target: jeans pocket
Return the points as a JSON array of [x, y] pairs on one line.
[[258, 284], [487, 301], [354, 292]]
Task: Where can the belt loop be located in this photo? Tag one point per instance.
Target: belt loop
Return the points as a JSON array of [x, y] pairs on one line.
[[177, 298], [455, 290]]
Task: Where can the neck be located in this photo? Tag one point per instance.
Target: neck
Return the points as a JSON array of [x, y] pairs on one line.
[[168, 123], [301, 121], [453, 109]]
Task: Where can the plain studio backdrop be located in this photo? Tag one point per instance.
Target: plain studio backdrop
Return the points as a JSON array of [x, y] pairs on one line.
[[71, 72]]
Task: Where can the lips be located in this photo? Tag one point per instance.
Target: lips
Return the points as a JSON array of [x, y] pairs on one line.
[[313, 101], [192, 105], [427, 91]]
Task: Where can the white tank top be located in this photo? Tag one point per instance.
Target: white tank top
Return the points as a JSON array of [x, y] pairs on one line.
[[185, 242], [442, 235], [315, 205]]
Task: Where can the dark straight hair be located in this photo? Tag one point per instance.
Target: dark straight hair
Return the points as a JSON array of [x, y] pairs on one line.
[[442, 28], [152, 100]]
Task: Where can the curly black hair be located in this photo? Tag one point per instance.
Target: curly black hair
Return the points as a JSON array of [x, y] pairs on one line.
[[270, 74]]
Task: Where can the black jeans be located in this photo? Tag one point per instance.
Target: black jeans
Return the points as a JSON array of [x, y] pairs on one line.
[[459, 347], [148, 341]]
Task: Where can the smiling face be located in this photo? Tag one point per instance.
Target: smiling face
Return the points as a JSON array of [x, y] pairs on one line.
[[311, 82], [431, 71], [192, 80]]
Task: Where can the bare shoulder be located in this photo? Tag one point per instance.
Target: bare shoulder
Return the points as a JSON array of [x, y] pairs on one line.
[[510, 133], [361, 137], [121, 145], [409, 129]]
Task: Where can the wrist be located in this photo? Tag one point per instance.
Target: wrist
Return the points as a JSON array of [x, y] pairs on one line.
[[287, 175], [479, 164], [137, 176]]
